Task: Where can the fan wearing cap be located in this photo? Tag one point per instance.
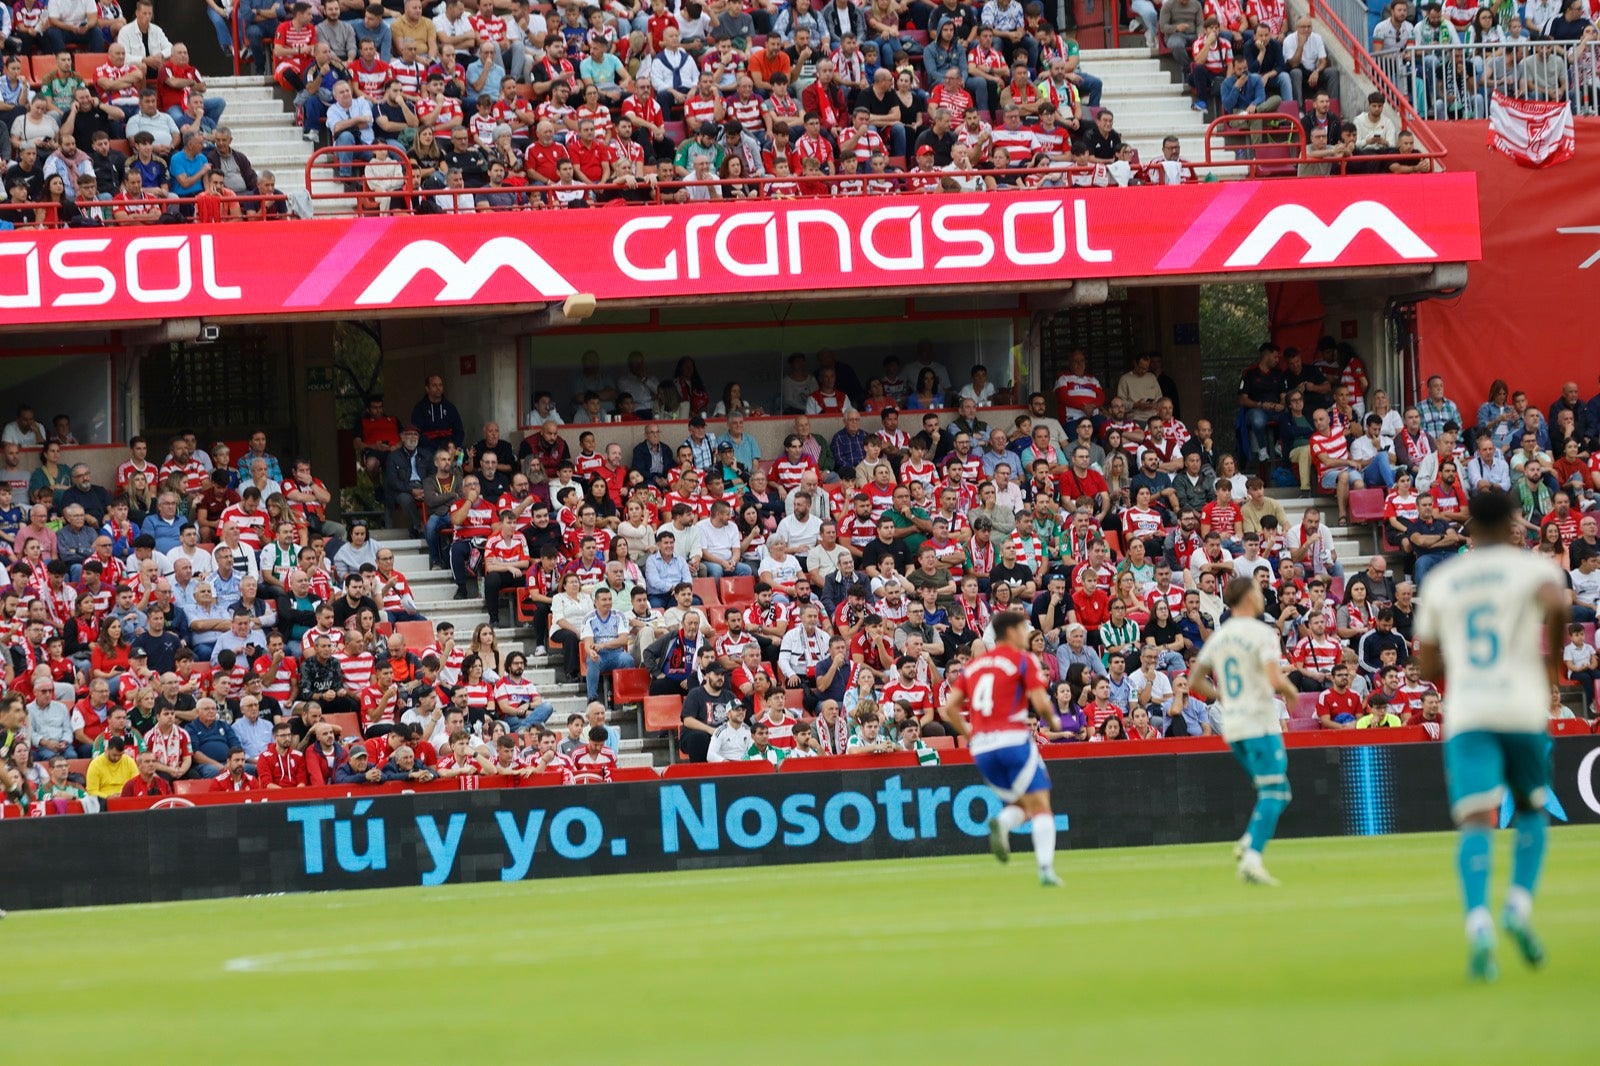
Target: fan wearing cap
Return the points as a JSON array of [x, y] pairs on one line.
[[357, 769], [706, 710], [923, 177]]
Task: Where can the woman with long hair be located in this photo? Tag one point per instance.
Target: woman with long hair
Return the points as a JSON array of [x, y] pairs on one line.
[[622, 552], [486, 648], [926, 395], [687, 390]]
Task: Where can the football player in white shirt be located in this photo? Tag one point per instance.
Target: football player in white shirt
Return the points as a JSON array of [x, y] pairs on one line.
[[1480, 625], [1239, 668]]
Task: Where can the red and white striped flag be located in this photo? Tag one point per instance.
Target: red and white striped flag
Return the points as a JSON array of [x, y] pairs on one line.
[[1534, 133]]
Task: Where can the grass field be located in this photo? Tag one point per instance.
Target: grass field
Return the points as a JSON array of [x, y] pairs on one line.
[[1150, 955]]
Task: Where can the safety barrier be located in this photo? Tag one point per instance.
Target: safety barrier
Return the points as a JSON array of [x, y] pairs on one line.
[[739, 818]]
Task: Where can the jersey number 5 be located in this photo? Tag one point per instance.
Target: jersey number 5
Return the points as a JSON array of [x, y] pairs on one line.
[[1483, 643]]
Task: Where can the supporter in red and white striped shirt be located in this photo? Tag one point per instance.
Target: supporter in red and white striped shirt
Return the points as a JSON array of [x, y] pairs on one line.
[[279, 673], [1315, 657], [779, 722], [1330, 452], [380, 699], [594, 762], [459, 760]]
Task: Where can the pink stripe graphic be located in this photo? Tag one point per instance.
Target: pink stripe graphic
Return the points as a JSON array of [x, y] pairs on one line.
[[1204, 230], [339, 263]]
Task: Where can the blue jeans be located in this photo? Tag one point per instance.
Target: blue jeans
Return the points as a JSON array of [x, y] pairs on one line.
[[313, 112], [224, 31], [203, 771], [1089, 85], [1428, 560], [1379, 472], [604, 662], [536, 716], [258, 35], [1146, 13], [459, 550], [432, 533], [360, 154], [888, 48], [1256, 421], [716, 570], [214, 106]]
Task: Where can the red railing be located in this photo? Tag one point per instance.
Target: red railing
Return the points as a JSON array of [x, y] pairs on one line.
[[1369, 68]]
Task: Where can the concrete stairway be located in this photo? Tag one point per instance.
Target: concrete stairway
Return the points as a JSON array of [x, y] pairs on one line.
[[434, 592], [1147, 99], [262, 119]]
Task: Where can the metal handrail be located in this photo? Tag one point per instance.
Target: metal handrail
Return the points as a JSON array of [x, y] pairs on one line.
[[1366, 65]]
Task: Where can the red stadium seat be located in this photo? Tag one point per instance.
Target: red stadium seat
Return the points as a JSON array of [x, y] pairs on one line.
[[523, 605], [185, 788], [417, 635], [1300, 725], [663, 713], [1305, 707], [631, 685], [348, 725], [736, 591], [1366, 505], [706, 589], [794, 699], [940, 743], [78, 766]]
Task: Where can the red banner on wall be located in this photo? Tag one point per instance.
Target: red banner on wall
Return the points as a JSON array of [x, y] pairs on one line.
[[371, 264], [1537, 224]]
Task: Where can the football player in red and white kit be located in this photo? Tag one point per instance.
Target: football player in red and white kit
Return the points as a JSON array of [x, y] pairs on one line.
[[997, 689]]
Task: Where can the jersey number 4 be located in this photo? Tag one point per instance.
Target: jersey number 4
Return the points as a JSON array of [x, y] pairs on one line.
[[983, 695]]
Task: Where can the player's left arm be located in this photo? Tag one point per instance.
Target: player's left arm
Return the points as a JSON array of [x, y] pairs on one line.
[[951, 712], [1200, 681], [1557, 613], [1280, 683]]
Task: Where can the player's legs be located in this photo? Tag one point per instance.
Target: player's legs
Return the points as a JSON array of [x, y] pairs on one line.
[[1017, 775], [1267, 762], [1527, 762], [1475, 773]]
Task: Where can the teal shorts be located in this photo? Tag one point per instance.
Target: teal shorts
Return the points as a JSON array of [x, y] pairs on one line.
[[1267, 763], [1480, 766]]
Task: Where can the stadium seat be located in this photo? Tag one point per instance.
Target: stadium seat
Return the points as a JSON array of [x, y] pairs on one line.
[[523, 606], [186, 788], [1114, 542], [664, 714], [1366, 505], [1305, 707], [84, 63], [631, 685], [941, 743], [348, 725], [1300, 725], [705, 590], [736, 591], [1263, 167], [417, 635], [78, 766], [794, 699]]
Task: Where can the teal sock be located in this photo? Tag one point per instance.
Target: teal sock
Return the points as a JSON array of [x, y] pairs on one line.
[[1264, 820], [1527, 857], [1472, 861]]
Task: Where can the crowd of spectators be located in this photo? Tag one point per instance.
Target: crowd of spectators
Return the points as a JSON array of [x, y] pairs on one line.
[[470, 106], [203, 617], [1450, 59], [877, 554]]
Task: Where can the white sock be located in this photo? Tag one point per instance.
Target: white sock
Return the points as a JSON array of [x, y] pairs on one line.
[[1044, 840], [1251, 857], [1479, 921], [1519, 903], [1011, 817]]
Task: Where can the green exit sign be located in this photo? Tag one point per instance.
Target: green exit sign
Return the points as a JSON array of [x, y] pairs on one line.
[[319, 379]]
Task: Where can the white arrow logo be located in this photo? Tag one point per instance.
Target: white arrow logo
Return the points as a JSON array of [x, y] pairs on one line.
[[1327, 241], [463, 280]]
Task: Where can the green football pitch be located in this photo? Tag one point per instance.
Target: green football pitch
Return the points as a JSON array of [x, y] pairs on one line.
[[1153, 955]]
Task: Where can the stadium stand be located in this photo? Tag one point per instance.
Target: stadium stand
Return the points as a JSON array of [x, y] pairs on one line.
[[163, 659], [451, 114]]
